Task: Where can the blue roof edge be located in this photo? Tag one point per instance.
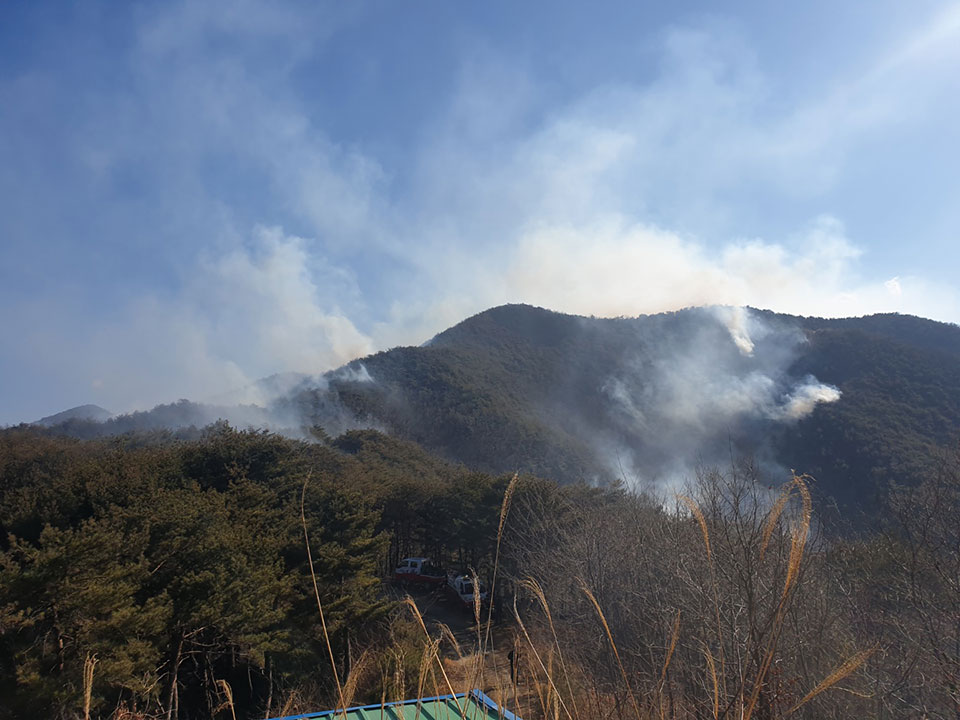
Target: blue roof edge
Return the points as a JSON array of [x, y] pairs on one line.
[[493, 705]]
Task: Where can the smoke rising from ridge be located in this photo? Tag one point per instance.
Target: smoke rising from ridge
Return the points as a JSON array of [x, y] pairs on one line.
[[736, 318], [291, 404], [804, 398], [294, 403], [712, 384]]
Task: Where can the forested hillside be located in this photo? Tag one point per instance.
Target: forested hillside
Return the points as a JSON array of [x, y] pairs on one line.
[[571, 398], [901, 401], [642, 400]]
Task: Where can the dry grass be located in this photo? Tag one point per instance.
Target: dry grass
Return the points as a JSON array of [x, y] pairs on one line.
[[432, 649], [843, 671], [534, 587], [227, 702], [798, 544], [504, 511], [746, 700], [546, 670], [548, 674], [712, 669], [613, 646], [358, 672], [701, 521], [89, 663], [715, 588]]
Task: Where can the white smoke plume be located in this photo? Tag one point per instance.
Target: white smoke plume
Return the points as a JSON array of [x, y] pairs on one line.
[[804, 398], [717, 382], [735, 319], [291, 404]]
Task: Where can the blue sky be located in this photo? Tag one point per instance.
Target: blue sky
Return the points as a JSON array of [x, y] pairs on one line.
[[195, 195]]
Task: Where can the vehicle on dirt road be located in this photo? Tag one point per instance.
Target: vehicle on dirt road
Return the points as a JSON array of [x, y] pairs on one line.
[[419, 571], [424, 572], [464, 586]]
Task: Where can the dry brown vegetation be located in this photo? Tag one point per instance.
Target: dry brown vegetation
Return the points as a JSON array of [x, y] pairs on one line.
[[732, 605], [730, 566]]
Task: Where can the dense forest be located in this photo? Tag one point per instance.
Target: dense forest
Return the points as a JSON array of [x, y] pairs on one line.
[[174, 564], [156, 576]]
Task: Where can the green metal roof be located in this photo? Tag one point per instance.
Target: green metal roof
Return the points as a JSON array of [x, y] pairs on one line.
[[474, 705]]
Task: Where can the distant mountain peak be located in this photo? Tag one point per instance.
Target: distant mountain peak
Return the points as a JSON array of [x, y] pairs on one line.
[[80, 412]]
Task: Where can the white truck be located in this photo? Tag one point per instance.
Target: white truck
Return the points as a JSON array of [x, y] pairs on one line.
[[463, 586]]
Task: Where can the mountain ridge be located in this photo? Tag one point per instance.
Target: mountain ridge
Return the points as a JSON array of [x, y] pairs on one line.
[[645, 398], [80, 412]]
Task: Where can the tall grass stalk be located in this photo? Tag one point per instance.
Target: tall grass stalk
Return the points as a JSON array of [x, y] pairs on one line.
[[89, 663], [540, 662], [533, 586], [478, 666], [316, 593], [798, 543], [705, 531], [423, 670], [712, 668], [355, 675], [843, 671], [504, 511], [626, 683], [227, 699], [666, 662], [416, 613]]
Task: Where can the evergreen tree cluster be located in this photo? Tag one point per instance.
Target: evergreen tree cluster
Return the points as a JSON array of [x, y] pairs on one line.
[[171, 565]]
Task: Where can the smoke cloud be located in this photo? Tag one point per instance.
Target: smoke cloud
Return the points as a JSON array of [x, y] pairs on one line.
[[713, 383], [277, 240], [292, 404], [735, 319], [804, 398]]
